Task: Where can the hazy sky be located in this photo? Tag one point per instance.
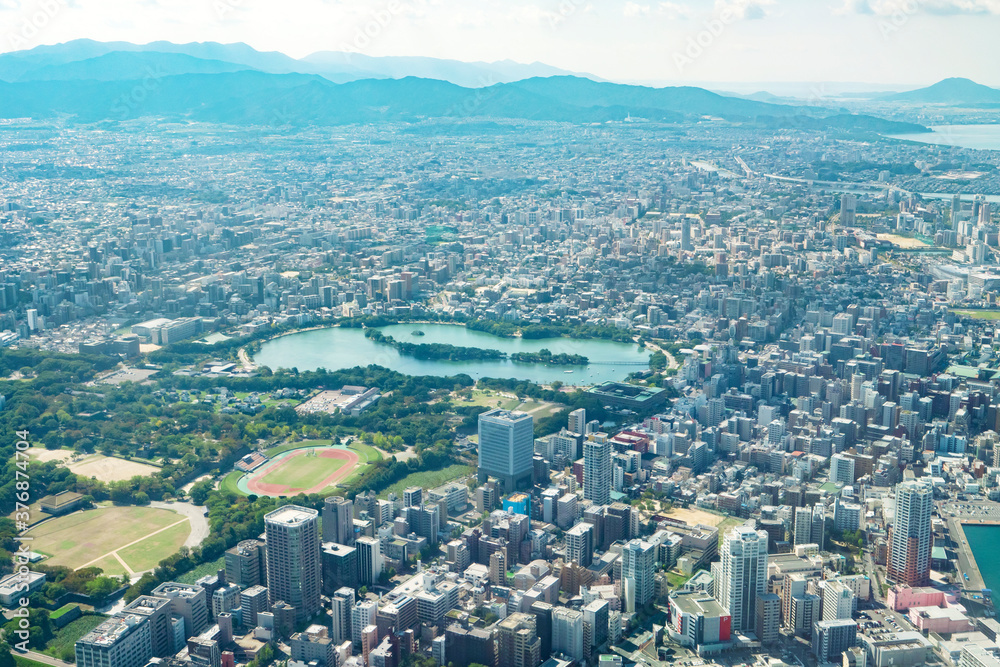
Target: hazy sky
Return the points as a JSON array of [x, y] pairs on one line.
[[877, 41]]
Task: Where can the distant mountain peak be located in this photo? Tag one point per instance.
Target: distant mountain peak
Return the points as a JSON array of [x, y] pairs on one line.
[[953, 90]]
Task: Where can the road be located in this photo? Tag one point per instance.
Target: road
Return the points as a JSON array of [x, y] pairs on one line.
[[196, 513], [41, 657]]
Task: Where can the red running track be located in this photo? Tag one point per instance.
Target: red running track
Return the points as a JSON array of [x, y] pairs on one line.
[[259, 488]]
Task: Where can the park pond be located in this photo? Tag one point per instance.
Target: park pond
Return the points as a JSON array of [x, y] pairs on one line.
[[336, 348]]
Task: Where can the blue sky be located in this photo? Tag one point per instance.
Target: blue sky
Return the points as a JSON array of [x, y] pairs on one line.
[[878, 41]]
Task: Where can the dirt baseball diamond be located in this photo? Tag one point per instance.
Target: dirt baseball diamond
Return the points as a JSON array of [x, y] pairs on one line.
[[257, 485]]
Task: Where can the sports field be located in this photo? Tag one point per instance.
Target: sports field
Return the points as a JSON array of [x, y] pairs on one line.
[[303, 470], [116, 539]]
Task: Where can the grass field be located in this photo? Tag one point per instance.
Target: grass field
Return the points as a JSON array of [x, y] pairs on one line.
[[728, 524], [21, 661], [676, 579], [979, 314], [229, 481], [489, 399], [205, 568], [61, 645], [80, 538], [428, 479], [147, 554], [303, 471]]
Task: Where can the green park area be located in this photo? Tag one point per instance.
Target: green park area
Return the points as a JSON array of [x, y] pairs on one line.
[[94, 536]]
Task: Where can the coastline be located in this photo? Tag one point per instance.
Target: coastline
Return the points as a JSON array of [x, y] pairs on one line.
[[966, 559]]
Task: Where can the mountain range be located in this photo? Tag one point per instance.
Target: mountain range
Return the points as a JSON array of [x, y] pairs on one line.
[[89, 81], [112, 61]]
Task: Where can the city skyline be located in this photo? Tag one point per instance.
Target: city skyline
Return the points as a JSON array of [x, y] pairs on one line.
[[891, 42]]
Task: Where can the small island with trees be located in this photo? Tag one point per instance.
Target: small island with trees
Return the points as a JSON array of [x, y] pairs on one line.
[[446, 352]]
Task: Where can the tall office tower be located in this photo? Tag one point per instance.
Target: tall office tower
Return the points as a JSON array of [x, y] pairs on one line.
[[252, 602], [638, 559], [338, 520], [293, 558], [580, 544], [341, 604], [838, 601], [506, 445], [809, 526], [577, 421], [567, 633], [413, 496], [818, 527], [498, 568], [245, 564], [767, 618], [121, 641], [831, 638], [597, 469], [157, 610], [518, 640], [841, 469], [956, 208], [910, 539], [686, 234], [848, 210], [743, 575], [369, 560], [362, 616], [188, 601]]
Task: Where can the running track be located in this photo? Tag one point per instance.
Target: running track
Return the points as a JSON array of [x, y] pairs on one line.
[[258, 487]]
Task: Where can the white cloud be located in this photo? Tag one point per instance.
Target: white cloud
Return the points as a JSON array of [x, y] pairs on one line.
[[673, 10], [743, 9], [910, 7], [632, 10]]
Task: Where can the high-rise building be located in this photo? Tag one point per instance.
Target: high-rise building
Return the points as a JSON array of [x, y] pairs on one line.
[[597, 469], [742, 575], [506, 446], [809, 526], [252, 602], [831, 638], [121, 641], [341, 604], [293, 558], [370, 560], [841, 469], [157, 610], [638, 559], [767, 618], [910, 539], [413, 496], [340, 566], [577, 421], [187, 601], [838, 601], [245, 564], [362, 616], [848, 210], [567, 633], [686, 234], [338, 520], [580, 544], [518, 642]]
